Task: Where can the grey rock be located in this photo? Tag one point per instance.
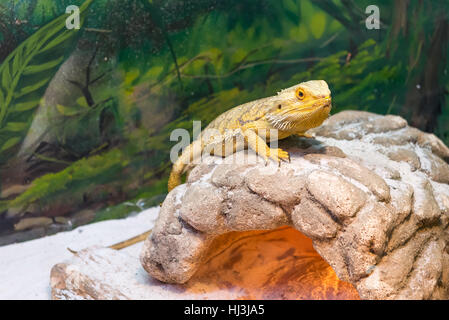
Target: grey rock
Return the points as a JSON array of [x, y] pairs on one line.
[[376, 217], [30, 223], [313, 220], [376, 212], [82, 217], [239, 265], [407, 156], [339, 196]]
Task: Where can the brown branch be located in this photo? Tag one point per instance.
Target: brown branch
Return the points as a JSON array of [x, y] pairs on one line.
[[101, 102], [98, 78], [252, 65], [88, 69], [76, 83], [98, 30], [85, 88]]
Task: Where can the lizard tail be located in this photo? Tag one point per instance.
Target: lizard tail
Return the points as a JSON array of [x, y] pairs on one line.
[[174, 179], [191, 153]]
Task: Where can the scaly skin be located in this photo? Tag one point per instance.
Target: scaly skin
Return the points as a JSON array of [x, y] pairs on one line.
[[292, 111]]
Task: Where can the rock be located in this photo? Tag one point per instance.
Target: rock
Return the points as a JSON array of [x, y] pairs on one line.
[[202, 209], [14, 212], [369, 192], [435, 167], [435, 144], [34, 233], [426, 208], [273, 264], [425, 275], [384, 124], [23, 236], [407, 156], [376, 212], [29, 223], [282, 188], [82, 217], [341, 198], [312, 219], [349, 126], [62, 220], [353, 170], [13, 190]]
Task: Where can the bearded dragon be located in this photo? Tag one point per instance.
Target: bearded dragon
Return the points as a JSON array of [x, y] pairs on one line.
[[292, 111]]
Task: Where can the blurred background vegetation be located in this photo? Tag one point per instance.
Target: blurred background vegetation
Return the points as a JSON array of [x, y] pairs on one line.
[[85, 116]]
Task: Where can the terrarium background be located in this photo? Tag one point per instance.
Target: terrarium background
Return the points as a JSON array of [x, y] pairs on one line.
[[94, 143]]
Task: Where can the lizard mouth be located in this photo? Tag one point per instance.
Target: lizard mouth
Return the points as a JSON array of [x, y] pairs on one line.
[[315, 104], [295, 115]]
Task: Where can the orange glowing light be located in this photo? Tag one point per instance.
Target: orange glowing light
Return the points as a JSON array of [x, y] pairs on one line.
[[274, 264]]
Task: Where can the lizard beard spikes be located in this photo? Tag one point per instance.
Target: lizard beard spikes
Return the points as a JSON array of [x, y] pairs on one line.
[[280, 122], [298, 120]]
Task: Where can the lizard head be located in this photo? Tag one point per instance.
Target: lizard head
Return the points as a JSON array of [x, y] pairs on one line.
[[301, 107]]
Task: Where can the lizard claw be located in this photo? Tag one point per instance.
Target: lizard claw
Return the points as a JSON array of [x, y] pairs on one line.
[[266, 160], [279, 155], [306, 135]]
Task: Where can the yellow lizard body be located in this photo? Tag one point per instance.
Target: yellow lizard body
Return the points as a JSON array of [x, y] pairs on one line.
[[292, 111]]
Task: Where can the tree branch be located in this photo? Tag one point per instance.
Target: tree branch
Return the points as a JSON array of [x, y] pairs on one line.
[[76, 83], [251, 65]]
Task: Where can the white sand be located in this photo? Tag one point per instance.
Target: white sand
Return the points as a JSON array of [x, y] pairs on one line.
[[25, 267]]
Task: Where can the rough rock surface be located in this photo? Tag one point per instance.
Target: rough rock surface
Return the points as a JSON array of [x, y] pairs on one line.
[[371, 192], [272, 264]]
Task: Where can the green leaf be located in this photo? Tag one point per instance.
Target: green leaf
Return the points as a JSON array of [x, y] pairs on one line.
[[131, 76], [10, 143], [299, 34], [31, 88], [28, 70], [292, 10], [17, 62], [318, 24], [6, 75], [238, 56], [68, 111], [15, 126], [42, 67], [154, 72], [57, 41], [25, 106], [81, 101]]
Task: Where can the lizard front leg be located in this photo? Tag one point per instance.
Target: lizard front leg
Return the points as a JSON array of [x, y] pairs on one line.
[[305, 135], [259, 146]]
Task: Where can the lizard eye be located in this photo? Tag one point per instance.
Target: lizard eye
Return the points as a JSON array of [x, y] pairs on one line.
[[300, 94]]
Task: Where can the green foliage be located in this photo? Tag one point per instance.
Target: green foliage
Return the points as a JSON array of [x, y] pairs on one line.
[[174, 62], [83, 175], [366, 77], [146, 199], [25, 74]]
